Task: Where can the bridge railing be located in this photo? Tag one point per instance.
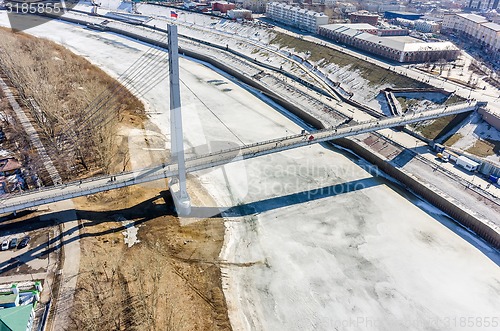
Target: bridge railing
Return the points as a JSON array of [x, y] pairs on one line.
[[85, 181], [286, 141], [283, 140]]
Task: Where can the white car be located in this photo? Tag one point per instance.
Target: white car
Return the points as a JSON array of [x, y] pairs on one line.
[[5, 245]]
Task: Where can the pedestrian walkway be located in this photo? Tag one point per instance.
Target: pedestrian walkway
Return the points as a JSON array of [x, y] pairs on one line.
[[104, 183]]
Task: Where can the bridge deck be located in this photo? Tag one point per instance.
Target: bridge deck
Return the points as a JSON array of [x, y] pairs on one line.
[[30, 199]]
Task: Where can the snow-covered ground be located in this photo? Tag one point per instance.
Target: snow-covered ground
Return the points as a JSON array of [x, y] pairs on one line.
[[323, 244], [474, 128], [130, 234]]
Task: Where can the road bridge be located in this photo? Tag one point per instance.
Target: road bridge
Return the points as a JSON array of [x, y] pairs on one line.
[[34, 198]]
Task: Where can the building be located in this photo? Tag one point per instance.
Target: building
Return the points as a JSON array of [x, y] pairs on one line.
[[427, 26], [400, 49], [490, 36], [346, 7], [222, 6], [364, 17], [484, 5], [256, 6], [468, 24], [475, 27], [243, 14], [9, 166], [385, 32], [390, 15], [17, 307], [360, 27], [18, 318], [296, 17], [382, 8]]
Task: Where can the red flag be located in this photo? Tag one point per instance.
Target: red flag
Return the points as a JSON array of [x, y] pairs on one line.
[[173, 14]]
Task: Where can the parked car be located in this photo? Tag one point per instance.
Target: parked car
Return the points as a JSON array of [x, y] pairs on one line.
[[5, 245], [24, 242], [13, 243]]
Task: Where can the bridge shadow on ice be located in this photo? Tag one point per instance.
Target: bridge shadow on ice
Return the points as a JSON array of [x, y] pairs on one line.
[[286, 200], [148, 210]]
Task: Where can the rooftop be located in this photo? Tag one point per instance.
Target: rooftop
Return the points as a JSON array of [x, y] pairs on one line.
[[400, 43], [473, 17], [7, 298], [402, 13], [16, 318], [364, 13], [9, 164], [354, 26], [492, 26], [297, 9]]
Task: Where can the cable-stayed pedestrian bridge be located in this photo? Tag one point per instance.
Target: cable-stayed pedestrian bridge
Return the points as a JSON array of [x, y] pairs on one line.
[[30, 199]]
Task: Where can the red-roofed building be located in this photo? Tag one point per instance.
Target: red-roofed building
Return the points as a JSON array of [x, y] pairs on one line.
[[222, 6], [9, 166]]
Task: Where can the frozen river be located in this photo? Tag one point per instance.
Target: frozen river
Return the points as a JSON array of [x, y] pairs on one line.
[[324, 242]]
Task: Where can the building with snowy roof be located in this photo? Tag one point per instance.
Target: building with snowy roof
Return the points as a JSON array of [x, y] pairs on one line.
[[256, 6], [243, 14], [295, 16], [426, 26], [222, 6], [400, 49]]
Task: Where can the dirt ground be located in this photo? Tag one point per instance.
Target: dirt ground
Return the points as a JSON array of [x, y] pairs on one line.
[[170, 279]]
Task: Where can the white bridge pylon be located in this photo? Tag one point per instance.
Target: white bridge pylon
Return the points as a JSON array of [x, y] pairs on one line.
[[177, 184]]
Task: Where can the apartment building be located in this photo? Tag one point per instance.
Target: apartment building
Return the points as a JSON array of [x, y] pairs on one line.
[[256, 6], [484, 4], [475, 27], [295, 16]]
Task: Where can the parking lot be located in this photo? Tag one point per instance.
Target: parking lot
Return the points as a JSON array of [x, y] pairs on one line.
[[29, 260]]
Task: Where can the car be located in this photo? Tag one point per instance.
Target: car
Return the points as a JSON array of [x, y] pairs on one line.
[[5, 245], [13, 243], [24, 242]]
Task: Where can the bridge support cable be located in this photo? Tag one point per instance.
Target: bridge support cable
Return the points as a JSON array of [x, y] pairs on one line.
[[136, 70], [105, 107]]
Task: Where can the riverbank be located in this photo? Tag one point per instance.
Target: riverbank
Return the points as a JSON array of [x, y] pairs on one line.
[[302, 257]]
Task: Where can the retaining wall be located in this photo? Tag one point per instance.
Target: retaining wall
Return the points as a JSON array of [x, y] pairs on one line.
[[491, 118], [485, 231]]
